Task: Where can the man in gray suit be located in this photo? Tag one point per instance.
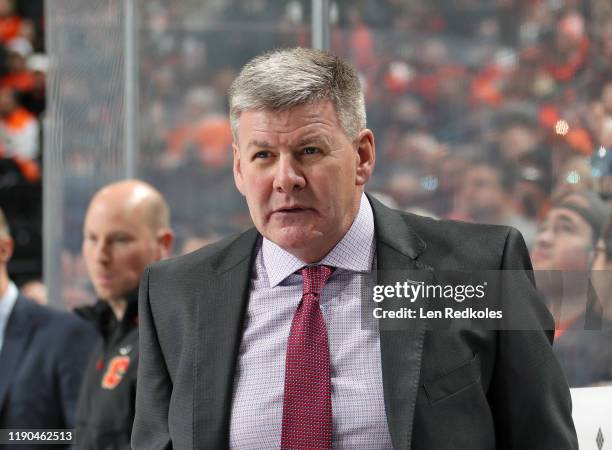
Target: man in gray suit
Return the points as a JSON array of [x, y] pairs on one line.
[[258, 341]]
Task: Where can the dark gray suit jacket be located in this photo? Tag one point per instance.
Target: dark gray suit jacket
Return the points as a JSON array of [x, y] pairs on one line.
[[469, 389], [41, 366]]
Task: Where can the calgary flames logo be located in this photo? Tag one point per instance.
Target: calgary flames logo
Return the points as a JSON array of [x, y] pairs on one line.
[[116, 369]]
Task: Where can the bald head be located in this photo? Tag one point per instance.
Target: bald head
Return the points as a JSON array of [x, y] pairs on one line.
[[139, 197], [126, 228]]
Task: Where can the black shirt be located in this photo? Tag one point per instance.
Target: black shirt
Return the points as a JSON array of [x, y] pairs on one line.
[[106, 403]]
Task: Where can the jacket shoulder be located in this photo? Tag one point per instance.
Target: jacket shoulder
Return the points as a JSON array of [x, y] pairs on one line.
[[218, 256], [463, 244], [456, 228], [54, 325]]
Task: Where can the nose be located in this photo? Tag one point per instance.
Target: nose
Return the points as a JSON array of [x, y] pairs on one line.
[[102, 252], [544, 238], [288, 176]]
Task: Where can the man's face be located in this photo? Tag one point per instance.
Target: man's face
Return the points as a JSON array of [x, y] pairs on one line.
[[482, 192], [118, 244], [7, 101], [563, 242], [301, 176]]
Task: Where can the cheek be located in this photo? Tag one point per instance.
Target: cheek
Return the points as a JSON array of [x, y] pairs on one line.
[[573, 255], [333, 187], [258, 189], [87, 256], [85, 253], [135, 262]]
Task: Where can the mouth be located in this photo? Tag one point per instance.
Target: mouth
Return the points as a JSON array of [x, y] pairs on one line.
[[104, 279], [291, 210], [540, 254]]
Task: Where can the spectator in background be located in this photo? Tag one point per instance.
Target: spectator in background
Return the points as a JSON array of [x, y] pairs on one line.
[[19, 128], [569, 51], [126, 228], [34, 99], [563, 257], [485, 196], [19, 77], [601, 274], [10, 23], [519, 138], [203, 133], [43, 353]]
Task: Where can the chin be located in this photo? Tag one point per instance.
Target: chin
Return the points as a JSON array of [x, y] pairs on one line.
[[539, 265], [293, 238], [105, 294]]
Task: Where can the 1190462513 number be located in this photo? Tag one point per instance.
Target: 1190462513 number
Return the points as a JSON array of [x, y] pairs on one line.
[[50, 436]]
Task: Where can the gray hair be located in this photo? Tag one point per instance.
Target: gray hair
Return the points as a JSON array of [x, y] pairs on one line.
[[282, 79]]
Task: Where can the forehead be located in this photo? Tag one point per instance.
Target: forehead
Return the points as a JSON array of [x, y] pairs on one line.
[[313, 118], [557, 215], [106, 217]]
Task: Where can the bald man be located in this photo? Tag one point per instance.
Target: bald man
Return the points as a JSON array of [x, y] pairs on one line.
[[127, 227]]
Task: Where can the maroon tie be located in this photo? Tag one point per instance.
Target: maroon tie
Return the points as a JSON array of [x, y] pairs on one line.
[[307, 407]]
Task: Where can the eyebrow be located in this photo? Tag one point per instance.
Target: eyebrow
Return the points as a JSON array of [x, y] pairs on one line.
[[566, 219], [307, 140], [560, 218], [259, 144]]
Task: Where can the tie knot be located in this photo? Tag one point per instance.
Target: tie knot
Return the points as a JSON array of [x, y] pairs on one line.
[[314, 278]]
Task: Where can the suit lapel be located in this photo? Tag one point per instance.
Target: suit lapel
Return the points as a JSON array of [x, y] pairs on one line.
[[18, 331], [220, 309], [398, 248]]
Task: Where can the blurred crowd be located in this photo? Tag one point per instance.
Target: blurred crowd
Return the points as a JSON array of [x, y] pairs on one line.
[[483, 111], [23, 68], [495, 112]]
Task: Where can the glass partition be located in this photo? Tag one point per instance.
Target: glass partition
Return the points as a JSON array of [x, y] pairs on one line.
[[187, 53], [483, 111]]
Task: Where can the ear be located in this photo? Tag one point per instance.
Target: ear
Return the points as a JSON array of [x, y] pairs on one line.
[[366, 156], [237, 169], [165, 240]]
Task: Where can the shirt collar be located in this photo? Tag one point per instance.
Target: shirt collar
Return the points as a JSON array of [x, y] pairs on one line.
[[354, 252], [7, 302]]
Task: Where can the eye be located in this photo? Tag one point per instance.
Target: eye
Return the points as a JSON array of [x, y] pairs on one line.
[[563, 228], [121, 239], [261, 154], [310, 150]]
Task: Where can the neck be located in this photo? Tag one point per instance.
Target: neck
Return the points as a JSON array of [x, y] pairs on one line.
[[568, 305], [118, 306]]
